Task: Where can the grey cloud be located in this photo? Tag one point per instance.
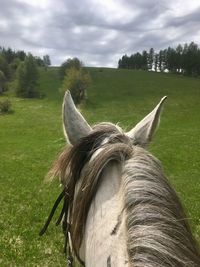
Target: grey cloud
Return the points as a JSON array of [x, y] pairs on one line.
[[12, 9], [193, 17], [78, 28]]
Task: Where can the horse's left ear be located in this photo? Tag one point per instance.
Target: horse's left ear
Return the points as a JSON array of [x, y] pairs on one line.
[[142, 133]]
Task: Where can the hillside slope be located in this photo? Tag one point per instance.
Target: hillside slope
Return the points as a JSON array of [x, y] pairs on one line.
[[31, 137]]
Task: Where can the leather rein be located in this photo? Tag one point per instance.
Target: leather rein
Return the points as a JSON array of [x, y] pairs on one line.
[[63, 217]]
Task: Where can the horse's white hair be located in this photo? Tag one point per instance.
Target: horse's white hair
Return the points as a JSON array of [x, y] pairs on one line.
[[123, 211]]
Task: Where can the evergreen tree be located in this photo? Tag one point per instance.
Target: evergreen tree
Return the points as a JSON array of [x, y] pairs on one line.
[[125, 62], [192, 59], [161, 60], [21, 55], [144, 60], [120, 64], [2, 82], [46, 60], [9, 55], [39, 62], [138, 61], [4, 66], [184, 57], [179, 52], [151, 59], [156, 62], [27, 78]]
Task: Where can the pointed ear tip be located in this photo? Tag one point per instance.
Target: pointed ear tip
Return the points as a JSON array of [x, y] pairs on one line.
[[67, 97], [67, 93], [164, 98]]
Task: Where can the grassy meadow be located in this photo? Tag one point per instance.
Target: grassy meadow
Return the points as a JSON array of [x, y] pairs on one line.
[[31, 137]]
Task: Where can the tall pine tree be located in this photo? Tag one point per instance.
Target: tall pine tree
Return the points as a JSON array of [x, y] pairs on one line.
[[27, 78]]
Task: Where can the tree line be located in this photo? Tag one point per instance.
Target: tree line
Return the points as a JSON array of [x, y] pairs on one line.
[[184, 59], [19, 72]]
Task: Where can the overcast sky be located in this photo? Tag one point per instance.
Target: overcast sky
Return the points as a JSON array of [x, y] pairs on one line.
[[98, 32]]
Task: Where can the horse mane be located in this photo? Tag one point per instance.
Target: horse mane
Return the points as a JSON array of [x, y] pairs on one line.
[[158, 233], [158, 230]]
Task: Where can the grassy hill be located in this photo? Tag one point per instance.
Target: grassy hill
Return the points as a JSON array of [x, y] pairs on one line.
[[31, 137]]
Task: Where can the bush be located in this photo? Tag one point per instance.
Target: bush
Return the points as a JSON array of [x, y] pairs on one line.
[[77, 81], [5, 106]]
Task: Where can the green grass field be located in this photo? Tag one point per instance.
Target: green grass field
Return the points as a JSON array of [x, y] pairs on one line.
[[31, 137]]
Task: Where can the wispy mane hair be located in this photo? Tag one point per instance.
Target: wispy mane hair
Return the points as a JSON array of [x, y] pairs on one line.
[[158, 233]]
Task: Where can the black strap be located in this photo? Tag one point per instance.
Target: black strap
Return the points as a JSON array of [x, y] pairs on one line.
[[57, 202], [65, 225], [64, 210]]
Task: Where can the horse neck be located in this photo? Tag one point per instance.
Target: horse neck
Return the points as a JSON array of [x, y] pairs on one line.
[[104, 242], [158, 233], [136, 219]]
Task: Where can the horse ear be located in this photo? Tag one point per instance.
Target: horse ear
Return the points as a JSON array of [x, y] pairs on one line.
[[142, 133], [74, 125]]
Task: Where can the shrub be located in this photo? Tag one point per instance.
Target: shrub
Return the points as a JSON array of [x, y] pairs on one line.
[[77, 81], [5, 106]]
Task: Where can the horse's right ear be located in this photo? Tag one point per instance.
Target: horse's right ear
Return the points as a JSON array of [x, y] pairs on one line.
[[143, 132], [74, 125]]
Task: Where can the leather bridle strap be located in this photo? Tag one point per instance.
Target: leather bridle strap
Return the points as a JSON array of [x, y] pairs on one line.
[[57, 202], [65, 225]]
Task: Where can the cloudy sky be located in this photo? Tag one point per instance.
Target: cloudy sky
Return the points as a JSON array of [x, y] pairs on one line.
[[98, 32]]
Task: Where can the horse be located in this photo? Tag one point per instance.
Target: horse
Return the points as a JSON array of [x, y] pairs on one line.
[[119, 208]]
